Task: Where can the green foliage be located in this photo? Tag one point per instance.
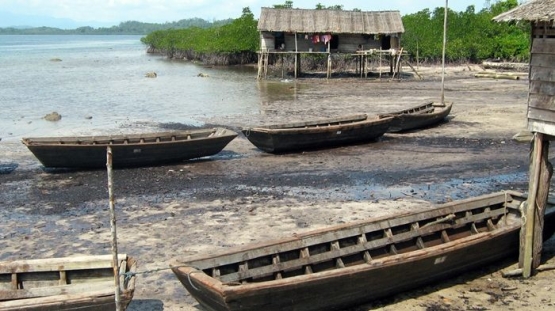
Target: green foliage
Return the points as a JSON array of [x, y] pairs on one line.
[[320, 6], [239, 36], [471, 35], [287, 5]]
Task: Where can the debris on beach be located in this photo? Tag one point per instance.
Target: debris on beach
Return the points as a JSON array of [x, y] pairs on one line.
[[54, 116]]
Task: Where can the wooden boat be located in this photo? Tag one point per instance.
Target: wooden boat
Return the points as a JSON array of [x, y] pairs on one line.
[[351, 264], [129, 150], [70, 283], [420, 116], [317, 134]]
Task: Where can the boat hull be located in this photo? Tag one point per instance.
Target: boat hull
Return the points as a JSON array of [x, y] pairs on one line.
[[316, 135], [414, 251], [418, 117], [128, 150], [71, 283]]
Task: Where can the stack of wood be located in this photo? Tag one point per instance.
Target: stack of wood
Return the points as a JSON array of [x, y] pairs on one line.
[[497, 75], [520, 67]]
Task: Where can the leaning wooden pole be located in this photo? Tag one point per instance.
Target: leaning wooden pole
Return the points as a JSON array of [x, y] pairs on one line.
[[443, 52], [542, 196], [115, 262], [531, 235]]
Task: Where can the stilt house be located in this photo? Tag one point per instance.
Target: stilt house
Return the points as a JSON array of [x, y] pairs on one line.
[[302, 31], [541, 121]]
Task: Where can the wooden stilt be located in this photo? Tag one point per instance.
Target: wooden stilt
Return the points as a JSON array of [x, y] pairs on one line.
[[329, 66], [296, 66], [259, 75], [365, 65]]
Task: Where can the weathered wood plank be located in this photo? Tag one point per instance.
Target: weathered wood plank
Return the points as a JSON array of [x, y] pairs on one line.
[[543, 74], [55, 290], [542, 60], [541, 114], [102, 300], [540, 101], [59, 264], [542, 87], [543, 46], [540, 126]]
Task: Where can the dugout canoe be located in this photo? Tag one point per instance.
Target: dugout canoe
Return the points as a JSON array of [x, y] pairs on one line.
[[129, 150], [316, 134], [71, 283], [351, 264], [417, 117]]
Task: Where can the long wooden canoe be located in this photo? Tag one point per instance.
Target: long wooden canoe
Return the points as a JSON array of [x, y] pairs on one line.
[[351, 264], [318, 133], [70, 283], [421, 116], [129, 150]]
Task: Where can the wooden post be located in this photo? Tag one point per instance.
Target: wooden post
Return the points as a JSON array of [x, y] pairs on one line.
[[443, 52], [115, 262], [329, 66], [259, 65], [531, 233], [282, 68], [365, 65], [380, 63], [296, 65]]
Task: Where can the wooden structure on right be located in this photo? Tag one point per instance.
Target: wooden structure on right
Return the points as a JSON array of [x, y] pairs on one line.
[[541, 121]]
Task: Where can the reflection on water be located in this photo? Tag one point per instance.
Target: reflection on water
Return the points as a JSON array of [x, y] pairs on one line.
[[275, 91]]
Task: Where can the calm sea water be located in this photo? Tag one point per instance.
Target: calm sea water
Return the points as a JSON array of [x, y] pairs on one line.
[[103, 77]]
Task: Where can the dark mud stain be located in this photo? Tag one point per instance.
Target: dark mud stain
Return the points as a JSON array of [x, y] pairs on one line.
[[8, 168], [453, 189]]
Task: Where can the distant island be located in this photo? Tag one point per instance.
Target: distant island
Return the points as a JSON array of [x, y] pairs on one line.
[[124, 28]]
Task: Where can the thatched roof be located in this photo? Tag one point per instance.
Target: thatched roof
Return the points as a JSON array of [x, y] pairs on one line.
[[331, 21], [534, 10]]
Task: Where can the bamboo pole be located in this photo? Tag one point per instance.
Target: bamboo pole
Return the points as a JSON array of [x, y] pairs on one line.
[[416, 72], [443, 53], [493, 75], [531, 209], [115, 262]]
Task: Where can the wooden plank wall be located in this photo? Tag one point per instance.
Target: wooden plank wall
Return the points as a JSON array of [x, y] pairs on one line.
[[541, 103], [348, 43]]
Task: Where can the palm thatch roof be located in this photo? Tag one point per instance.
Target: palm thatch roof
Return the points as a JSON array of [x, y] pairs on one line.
[[534, 10], [332, 21]]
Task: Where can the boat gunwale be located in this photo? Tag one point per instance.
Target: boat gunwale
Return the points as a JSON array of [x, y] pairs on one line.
[[104, 140], [314, 129], [438, 109]]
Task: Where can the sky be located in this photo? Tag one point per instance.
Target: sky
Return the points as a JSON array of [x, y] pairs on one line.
[[105, 13]]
